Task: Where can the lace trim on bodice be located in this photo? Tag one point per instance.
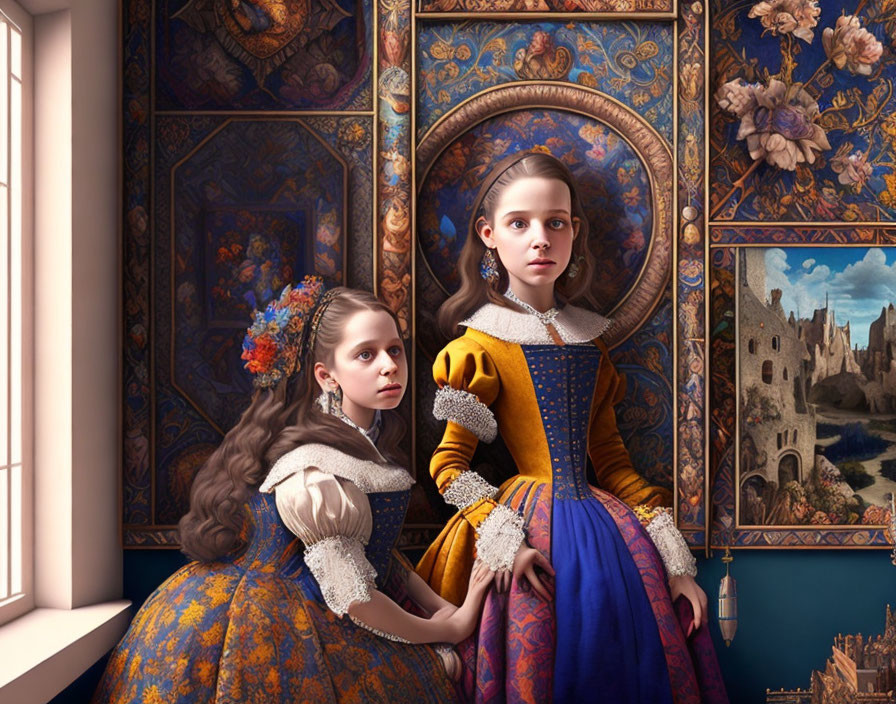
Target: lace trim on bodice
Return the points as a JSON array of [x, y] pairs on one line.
[[576, 326], [369, 477]]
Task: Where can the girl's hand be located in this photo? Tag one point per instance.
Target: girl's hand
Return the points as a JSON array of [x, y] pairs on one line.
[[685, 585], [480, 579], [462, 622], [524, 563]]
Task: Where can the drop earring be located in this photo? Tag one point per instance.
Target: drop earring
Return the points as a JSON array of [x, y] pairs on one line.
[[330, 401], [488, 267]]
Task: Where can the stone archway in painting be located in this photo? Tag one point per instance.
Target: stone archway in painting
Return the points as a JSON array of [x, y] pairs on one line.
[[789, 468]]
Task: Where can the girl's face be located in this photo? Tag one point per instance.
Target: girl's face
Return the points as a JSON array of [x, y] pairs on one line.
[[369, 365], [533, 230]]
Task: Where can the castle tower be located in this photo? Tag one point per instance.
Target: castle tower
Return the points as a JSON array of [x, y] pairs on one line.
[[753, 272]]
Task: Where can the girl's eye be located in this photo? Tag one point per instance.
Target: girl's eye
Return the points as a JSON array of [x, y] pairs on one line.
[[557, 223], [365, 356], [395, 350], [517, 224]]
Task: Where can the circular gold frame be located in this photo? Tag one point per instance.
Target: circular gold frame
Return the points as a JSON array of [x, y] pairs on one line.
[[639, 302]]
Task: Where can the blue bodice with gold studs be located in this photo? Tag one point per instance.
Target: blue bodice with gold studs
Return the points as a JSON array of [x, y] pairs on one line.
[[563, 378], [388, 509]]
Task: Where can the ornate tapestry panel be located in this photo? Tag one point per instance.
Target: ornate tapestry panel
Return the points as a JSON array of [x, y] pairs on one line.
[[802, 124], [629, 62], [263, 54], [690, 473], [619, 7]]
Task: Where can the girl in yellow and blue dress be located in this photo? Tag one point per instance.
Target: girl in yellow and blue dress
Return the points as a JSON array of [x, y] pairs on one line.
[[586, 575], [297, 593]]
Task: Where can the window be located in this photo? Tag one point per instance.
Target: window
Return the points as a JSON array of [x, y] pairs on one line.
[[767, 371], [776, 343], [752, 346], [785, 373], [71, 554], [15, 314]]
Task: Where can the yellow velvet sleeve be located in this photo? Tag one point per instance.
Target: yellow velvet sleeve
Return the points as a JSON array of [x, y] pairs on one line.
[[612, 463], [468, 384]]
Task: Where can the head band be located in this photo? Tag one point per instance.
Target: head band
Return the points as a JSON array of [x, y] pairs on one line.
[[502, 167]]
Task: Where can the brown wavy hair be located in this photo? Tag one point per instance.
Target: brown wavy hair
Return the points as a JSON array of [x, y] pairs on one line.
[[277, 421], [475, 291]]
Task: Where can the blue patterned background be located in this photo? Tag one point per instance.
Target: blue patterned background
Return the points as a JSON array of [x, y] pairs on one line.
[[631, 62]]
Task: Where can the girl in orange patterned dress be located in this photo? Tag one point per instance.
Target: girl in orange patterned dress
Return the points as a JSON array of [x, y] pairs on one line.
[[297, 593]]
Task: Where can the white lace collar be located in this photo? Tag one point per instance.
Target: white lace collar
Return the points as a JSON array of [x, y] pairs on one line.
[[369, 477], [575, 325]]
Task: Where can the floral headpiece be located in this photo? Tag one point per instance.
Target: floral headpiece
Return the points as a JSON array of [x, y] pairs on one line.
[[275, 343]]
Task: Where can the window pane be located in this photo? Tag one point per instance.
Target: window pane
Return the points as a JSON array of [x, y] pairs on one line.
[[15, 54], [15, 314], [4, 103], [4, 328], [15, 529], [4, 533]]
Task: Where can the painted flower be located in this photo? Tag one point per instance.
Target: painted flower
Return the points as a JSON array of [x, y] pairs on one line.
[[820, 518], [737, 97], [781, 127], [796, 17], [849, 46], [853, 169], [876, 515]]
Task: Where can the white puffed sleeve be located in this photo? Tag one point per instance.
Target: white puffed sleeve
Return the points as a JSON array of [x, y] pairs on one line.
[[332, 517]]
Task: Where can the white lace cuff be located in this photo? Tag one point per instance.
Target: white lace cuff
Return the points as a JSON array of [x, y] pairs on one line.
[[465, 409], [377, 631], [670, 544], [468, 488], [342, 571], [499, 538]]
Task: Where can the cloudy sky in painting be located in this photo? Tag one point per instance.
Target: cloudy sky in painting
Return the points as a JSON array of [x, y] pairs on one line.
[[859, 281]]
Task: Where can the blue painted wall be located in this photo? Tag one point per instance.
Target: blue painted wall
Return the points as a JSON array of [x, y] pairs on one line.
[[791, 605]]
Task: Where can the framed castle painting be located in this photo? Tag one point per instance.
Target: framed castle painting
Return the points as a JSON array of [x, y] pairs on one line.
[[804, 378]]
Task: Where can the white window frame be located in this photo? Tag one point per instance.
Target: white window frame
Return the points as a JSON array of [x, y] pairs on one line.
[[78, 614], [22, 600]]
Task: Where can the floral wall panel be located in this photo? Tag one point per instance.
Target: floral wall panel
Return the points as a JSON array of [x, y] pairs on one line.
[[136, 343], [609, 7], [690, 267], [630, 62], [722, 373], [272, 54], [253, 205], [393, 241], [802, 126], [249, 148]]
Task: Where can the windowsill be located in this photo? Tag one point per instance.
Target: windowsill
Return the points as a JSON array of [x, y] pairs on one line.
[[47, 649]]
